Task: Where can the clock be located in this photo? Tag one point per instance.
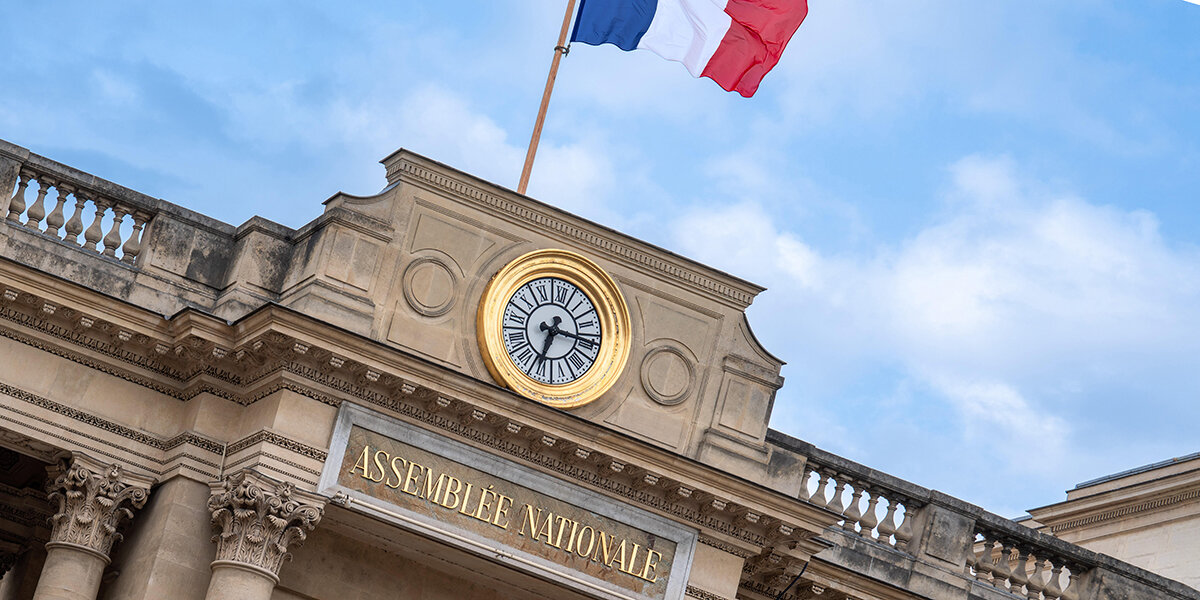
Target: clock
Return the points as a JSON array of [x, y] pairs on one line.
[[554, 327]]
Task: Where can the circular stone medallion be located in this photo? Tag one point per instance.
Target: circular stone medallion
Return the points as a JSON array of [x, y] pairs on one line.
[[429, 286]]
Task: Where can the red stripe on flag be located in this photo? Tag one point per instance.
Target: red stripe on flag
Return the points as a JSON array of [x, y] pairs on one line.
[[756, 38]]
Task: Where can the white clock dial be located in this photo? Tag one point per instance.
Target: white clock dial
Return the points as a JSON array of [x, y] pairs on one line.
[[551, 331]]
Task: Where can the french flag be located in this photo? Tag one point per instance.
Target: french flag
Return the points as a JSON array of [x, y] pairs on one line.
[[733, 42]]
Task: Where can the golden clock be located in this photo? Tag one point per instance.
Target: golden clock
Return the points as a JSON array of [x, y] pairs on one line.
[[554, 327]]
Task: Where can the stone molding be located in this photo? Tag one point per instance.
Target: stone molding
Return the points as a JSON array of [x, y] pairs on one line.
[[257, 519], [91, 502], [695, 592], [270, 359], [1125, 511], [736, 293]]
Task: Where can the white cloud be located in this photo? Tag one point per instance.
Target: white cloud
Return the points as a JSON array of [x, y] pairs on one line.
[[1010, 309]]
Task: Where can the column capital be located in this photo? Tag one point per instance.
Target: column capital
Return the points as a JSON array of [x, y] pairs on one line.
[[90, 500], [256, 519]]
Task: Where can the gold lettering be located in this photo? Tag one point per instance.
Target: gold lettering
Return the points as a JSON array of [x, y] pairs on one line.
[[483, 503], [571, 536], [604, 549], [562, 526], [451, 492], [591, 533], [396, 472], [632, 558], [410, 478], [651, 562], [463, 510], [527, 510], [620, 556], [362, 463], [545, 527], [379, 465], [502, 511], [433, 489]]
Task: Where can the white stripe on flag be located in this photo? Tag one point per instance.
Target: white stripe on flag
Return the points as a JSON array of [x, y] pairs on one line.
[[687, 31]]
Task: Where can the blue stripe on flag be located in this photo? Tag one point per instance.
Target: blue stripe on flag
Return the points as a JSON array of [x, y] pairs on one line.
[[621, 23]]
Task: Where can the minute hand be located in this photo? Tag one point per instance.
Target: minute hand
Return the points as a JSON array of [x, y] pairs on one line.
[[572, 335]]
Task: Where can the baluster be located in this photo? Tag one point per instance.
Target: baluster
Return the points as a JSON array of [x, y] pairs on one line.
[[804, 479], [16, 206], [1001, 569], [836, 502], [75, 223], [94, 231], [972, 563], [37, 211], [870, 518], [905, 532], [112, 241], [854, 509], [983, 563], [888, 526], [1036, 582], [1020, 572], [133, 246], [1053, 591], [818, 497], [1069, 593], [55, 220]]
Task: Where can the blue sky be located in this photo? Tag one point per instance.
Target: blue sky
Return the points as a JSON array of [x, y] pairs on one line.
[[977, 220]]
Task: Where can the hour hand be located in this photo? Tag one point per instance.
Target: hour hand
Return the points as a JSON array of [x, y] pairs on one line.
[[552, 329]]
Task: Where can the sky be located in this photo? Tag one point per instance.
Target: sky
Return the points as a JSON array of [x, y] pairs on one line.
[[977, 221]]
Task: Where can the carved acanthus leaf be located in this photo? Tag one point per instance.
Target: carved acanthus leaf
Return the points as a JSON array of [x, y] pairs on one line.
[[91, 501], [256, 519]]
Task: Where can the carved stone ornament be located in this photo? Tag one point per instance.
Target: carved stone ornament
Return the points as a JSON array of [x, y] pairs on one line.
[[257, 518], [91, 501]]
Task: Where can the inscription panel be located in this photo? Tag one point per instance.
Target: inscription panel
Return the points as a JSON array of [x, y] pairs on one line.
[[524, 518]]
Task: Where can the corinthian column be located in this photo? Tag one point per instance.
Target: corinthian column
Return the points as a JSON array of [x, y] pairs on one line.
[[256, 519], [91, 500]]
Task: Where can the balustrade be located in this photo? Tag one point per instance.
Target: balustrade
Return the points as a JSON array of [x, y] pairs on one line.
[[1020, 568], [120, 242], [860, 503]]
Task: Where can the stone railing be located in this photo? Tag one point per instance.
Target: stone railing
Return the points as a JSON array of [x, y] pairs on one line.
[[57, 201], [1021, 566], [991, 555], [872, 505]]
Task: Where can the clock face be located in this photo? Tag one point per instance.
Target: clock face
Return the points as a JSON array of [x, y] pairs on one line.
[[552, 331], [553, 327]]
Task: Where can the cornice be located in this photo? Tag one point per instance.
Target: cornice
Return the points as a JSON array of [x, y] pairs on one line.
[[1125, 511], [695, 592], [277, 348], [727, 289]]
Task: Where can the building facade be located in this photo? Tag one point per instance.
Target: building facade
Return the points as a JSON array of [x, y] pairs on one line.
[[1148, 516], [445, 390]]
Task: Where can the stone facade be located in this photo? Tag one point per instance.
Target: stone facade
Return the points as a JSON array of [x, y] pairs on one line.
[[1149, 516], [215, 374]]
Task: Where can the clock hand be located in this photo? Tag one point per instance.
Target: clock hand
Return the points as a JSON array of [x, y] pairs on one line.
[[569, 334], [553, 330]]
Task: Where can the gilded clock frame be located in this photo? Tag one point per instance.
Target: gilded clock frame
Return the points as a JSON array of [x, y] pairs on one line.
[[610, 308]]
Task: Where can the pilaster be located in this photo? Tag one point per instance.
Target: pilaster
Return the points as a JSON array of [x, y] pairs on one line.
[[256, 520]]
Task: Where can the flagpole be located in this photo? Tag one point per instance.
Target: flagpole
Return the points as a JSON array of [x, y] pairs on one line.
[[559, 51]]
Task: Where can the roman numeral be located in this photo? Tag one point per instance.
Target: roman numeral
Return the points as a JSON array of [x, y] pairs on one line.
[[576, 360], [590, 324], [515, 337]]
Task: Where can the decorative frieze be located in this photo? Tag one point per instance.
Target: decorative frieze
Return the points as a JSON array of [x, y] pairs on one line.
[[91, 502], [257, 519]]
